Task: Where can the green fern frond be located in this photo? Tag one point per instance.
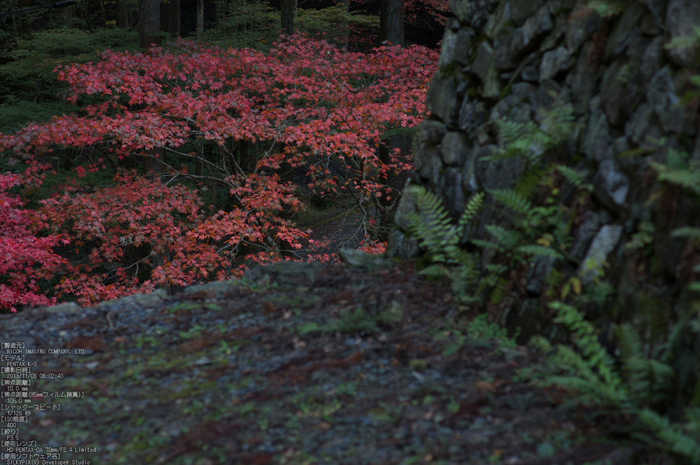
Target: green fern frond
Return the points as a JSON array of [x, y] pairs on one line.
[[643, 237], [484, 244], [434, 271], [677, 172], [431, 225], [684, 41], [436, 233], [571, 175], [607, 8], [463, 278], [519, 140], [496, 268], [513, 200], [530, 140], [648, 379], [514, 134], [562, 233], [686, 231], [529, 181], [677, 159], [538, 251], [672, 435], [683, 178], [540, 343], [591, 369], [504, 237], [628, 342], [471, 210]]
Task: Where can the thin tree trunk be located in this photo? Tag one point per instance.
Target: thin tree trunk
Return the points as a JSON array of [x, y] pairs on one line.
[[345, 26], [221, 12], [149, 23], [152, 164], [200, 19], [288, 7], [171, 18], [122, 14], [391, 21]]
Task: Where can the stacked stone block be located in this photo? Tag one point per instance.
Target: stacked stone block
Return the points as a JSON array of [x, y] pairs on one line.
[[507, 59]]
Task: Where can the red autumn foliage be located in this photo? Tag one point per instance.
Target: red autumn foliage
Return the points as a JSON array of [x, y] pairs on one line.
[[439, 10], [26, 258], [189, 109]]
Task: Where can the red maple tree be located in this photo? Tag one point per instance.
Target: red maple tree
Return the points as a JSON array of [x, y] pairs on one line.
[[26, 258], [214, 119]]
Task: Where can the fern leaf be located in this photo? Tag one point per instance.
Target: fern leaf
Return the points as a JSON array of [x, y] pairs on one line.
[[539, 251], [513, 200], [628, 342], [435, 232], [512, 134], [431, 225], [503, 237], [683, 177], [434, 271], [473, 207], [672, 435], [540, 343], [594, 372], [571, 175], [686, 231], [484, 244], [529, 181]]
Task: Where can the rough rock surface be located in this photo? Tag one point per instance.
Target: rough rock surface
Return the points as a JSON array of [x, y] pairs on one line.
[[626, 86]]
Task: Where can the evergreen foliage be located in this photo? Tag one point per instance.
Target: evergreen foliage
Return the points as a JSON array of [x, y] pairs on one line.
[[679, 171], [536, 229], [607, 8], [573, 176], [655, 382], [681, 439], [440, 238], [28, 80], [590, 371], [255, 24], [246, 24], [32, 62], [533, 140]]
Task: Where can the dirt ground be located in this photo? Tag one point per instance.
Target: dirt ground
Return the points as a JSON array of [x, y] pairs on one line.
[[300, 363]]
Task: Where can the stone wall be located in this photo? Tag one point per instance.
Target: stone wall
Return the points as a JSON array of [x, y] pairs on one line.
[[512, 58]]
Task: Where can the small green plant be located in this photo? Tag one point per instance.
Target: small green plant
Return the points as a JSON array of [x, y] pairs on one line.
[[590, 371], [355, 321], [533, 140], [684, 41], [593, 372], [607, 8], [635, 386], [536, 229], [679, 170], [440, 238], [643, 237], [681, 439], [479, 329]]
